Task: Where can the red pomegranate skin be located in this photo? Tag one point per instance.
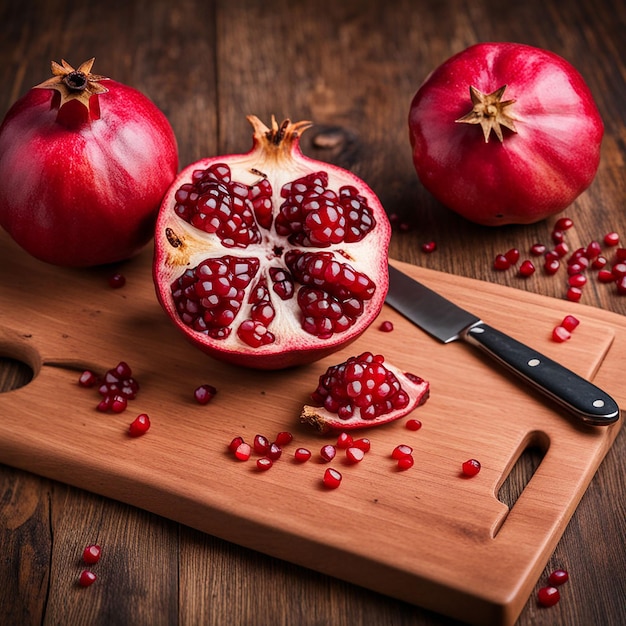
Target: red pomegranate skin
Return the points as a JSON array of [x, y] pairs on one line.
[[533, 173], [88, 194]]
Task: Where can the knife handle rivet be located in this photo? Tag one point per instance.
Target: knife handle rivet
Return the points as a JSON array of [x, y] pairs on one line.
[[534, 362], [598, 404]]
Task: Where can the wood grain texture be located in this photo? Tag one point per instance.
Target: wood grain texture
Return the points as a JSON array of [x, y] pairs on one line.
[[207, 64]]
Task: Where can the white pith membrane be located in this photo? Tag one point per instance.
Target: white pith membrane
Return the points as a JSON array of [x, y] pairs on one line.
[[193, 246]]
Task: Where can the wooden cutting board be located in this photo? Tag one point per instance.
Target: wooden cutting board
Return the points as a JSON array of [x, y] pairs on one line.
[[426, 535]]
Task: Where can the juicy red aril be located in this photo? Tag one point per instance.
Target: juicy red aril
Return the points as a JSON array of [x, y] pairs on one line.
[[328, 452], [344, 440], [599, 262], [560, 334], [611, 239], [354, 454], [274, 452], [261, 444], [551, 266], [606, 276], [574, 294], [620, 254], [512, 256], [301, 455], [86, 578], [413, 424], [235, 443], [577, 280], [386, 327], [621, 285], [405, 462], [592, 250], [283, 438], [91, 554], [363, 383], [618, 270], [548, 596], [561, 249], [501, 263], [204, 393], [429, 246], [87, 379], [264, 463], [363, 443], [401, 450], [332, 478], [117, 280], [558, 577], [243, 451], [537, 249], [139, 426], [526, 269], [563, 223], [471, 467], [570, 322], [575, 268]]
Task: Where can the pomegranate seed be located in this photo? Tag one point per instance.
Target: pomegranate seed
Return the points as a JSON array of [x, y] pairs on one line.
[[574, 294], [91, 554], [243, 451], [118, 404], [577, 280], [429, 246], [551, 266], [471, 467], [599, 262], [548, 596], [274, 452], [512, 256], [592, 250], [344, 440], [558, 236], [235, 443], [413, 424], [620, 254], [301, 455], [526, 269], [406, 462], [563, 223], [363, 444], [401, 450], [537, 249], [560, 334], [332, 478], [558, 577], [606, 276], [261, 444], [570, 322], [328, 452], [117, 280], [619, 270], [204, 393], [86, 578], [354, 454], [561, 249], [621, 285], [575, 268], [611, 239], [551, 254], [283, 438], [264, 463], [87, 379], [501, 263], [386, 327], [139, 426]]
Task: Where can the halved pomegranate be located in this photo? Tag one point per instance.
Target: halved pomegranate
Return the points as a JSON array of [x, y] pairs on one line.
[[361, 392], [271, 259]]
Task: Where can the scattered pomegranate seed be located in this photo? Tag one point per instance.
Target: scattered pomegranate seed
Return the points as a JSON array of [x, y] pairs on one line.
[[328, 452], [606, 276], [386, 327], [577, 280], [91, 554], [526, 269], [611, 239], [537, 249], [332, 478], [413, 424], [471, 467], [401, 450], [570, 322], [429, 246], [87, 379], [283, 438], [204, 393], [620, 254], [274, 452], [86, 578], [406, 462], [548, 596], [558, 577], [344, 440], [363, 443], [592, 250], [551, 266], [621, 285], [261, 444], [264, 463], [575, 268], [618, 270], [560, 334], [501, 263], [574, 294], [243, 451], [599, 262], [139, 426], [561, 249], [558, 236], [117, 280], [354, 454], [563, 223], [301, 455], [512, 256], [235, 443]]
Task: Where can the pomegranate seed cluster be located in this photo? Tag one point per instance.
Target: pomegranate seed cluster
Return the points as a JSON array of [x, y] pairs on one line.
[[550, 595], [91, 555], [116, 387], [578, 264], [361, 383]]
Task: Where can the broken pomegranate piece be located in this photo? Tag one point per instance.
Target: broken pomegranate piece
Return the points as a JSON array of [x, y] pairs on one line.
[[363, 391]]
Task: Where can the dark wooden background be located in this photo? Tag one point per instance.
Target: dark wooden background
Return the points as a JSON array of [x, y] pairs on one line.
[[352, 67]]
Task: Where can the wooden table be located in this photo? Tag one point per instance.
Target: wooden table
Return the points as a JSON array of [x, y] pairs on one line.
[[352, 67]]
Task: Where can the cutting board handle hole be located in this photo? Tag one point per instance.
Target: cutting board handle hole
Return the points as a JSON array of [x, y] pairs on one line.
[[14, 374], [530, 455]]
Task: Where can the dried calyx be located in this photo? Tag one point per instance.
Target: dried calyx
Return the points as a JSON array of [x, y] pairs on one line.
[[490, 111]]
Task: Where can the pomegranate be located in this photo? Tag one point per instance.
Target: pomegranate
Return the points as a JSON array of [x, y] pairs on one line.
[[363, 391], [84, 168], [271, 259], [547, 131]]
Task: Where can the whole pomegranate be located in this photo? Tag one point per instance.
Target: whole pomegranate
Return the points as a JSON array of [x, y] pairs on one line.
[[505, 133], [271, 259], [83, 168]]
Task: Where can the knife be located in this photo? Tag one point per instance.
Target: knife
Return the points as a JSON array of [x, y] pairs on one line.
[[448, 322]]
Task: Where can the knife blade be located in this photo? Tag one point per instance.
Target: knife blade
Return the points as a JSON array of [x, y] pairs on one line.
[[448, 322]]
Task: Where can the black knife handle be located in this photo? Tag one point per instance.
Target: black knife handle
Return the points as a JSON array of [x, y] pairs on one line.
[[573, 392]]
